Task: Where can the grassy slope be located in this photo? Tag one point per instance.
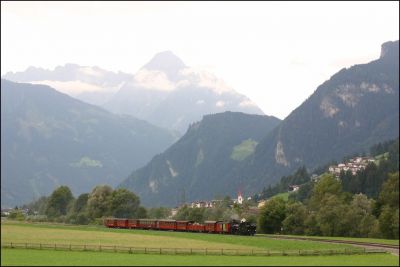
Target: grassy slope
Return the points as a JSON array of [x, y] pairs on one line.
[[243, 150], [284, 195], [54, 258], [36, 233]]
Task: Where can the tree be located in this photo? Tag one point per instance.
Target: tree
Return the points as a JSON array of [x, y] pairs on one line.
[[296, 215], [272, 215], [387, 222], [123, 203], [303, 193], [159, 213], [98, 201], [141, 213], [78, 214], [196, 214], [359, 219], [80, 203], [330, 214], [389, 194], [327, 184], [16, 214], [183, 213], [38, 205], [312, 225], [389, 202], [58, 202]]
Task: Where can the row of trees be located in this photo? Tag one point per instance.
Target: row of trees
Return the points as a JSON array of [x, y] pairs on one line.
[[102, 201], [329, 211]]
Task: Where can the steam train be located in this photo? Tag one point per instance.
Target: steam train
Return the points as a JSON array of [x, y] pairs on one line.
[[233, 227]]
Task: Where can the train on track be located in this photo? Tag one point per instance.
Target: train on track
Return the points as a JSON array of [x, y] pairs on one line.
[[233, 227]]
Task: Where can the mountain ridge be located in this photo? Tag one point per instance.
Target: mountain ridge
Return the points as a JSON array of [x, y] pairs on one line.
[[356, 108], [195, 164], [49, 138]]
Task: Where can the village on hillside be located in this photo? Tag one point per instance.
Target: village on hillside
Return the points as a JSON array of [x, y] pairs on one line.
[[354, 165]]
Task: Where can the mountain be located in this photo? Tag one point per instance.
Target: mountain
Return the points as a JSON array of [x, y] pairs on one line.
[[164, 92], [89, 84], [50, 139], [195, 167], [354, 109], [170, 94]]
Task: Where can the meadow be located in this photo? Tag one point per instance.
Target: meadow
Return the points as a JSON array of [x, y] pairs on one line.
[[98, 235], [92, 235], [59, 258]]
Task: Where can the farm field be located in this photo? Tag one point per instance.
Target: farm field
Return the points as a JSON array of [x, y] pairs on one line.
[[45, 233], [57, 258], [20, 232]]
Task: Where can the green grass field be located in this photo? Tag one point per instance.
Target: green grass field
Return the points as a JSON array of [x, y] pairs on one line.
[[44, 233], [59, 258], [285, 195], [97, 235]]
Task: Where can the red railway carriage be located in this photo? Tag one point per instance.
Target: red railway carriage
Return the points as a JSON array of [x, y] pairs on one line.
[[110, 222], [166, 224], [133, 223], [147, 224], [122, 223], [223, 227], [210, 226], [182, 225], [196, 227]]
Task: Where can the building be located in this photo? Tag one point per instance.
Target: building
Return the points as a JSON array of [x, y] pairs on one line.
[[239, 199], [354, 165], [293, 188]]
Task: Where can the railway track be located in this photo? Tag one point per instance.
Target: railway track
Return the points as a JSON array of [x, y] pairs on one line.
[[391, 248]]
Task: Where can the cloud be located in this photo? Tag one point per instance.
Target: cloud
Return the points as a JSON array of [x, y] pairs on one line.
[[220, 104], [206, 79], [247, 103], [153, 79], [90, 71], [74, 88], [199, 102]]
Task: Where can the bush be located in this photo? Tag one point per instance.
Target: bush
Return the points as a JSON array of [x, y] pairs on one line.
[[16, 215]]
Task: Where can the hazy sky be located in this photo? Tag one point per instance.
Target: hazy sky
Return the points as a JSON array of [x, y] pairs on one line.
[[276, 53]]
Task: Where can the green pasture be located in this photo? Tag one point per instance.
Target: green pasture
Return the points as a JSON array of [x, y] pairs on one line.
[[59, 234], [21, 232], [58, 258]]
